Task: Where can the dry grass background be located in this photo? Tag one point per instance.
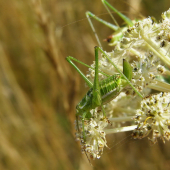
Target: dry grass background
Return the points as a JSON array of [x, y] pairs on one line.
[[39, 89]]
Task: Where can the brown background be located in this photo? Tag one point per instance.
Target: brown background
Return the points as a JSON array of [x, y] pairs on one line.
[[39, 89]]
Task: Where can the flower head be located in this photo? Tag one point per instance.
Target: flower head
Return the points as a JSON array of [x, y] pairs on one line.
[[91, 134], [154, 117]]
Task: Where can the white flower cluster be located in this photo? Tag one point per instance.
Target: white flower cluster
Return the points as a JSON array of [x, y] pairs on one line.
[[154, 116], [146, 46], [91, 134]]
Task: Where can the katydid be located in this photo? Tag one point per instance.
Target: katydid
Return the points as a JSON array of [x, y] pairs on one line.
[[103, 91]]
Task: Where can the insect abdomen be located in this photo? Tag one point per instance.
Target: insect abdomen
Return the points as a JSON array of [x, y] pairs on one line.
[[111, 87]]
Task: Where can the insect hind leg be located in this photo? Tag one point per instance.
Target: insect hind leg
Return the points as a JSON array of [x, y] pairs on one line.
[[124, 17], [90, 15]]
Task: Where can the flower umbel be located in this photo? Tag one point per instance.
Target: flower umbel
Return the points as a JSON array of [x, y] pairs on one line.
[[154, 117], [91, 134], [146, 47]]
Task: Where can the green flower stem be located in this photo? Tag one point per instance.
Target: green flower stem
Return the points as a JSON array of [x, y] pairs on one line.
[[160, 86], [121, 119], [158, 51], [121, 129]]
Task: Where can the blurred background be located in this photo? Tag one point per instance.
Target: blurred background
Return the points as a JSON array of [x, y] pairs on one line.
[[39, 89]]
